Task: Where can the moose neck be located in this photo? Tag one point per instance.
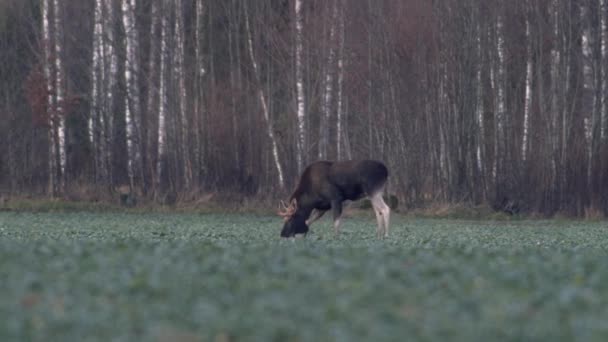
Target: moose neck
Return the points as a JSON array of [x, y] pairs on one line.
[[303, 212]]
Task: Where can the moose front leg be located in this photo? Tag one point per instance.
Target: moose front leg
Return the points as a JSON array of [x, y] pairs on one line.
[[316, 214]]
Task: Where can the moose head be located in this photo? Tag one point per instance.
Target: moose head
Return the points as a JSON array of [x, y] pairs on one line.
[[293, 224]]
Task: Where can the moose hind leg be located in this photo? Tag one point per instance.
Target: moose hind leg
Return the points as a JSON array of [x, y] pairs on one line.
[[336, 207], [383, 212], [379, 223]]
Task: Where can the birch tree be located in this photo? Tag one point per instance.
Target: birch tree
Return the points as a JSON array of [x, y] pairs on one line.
[[132, 101], [162, 103], [179, 74], [480, 108], [603, 98], [555, 61], [59, 96], [98, 73], [588, 104], [52, 35], [603, 29], [47, 19], [150, 159], [326, 106], [528, 88], [199, 71], [301, 141], [341, 135], [104, 79], [262, 99], [500, 101]]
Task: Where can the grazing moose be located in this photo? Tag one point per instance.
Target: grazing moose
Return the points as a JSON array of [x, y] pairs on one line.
[[325, 185]]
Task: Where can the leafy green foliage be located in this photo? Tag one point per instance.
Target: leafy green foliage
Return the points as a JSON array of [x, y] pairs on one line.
[[184, 277]]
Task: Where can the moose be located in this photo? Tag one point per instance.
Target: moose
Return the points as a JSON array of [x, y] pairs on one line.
[[325, 185]]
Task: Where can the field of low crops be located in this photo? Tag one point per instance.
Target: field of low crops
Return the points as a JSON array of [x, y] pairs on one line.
[[213, 277]]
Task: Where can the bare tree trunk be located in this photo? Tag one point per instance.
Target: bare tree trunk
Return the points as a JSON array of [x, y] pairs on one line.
[[233, 28], [480, 106], [603, 5], [132, 104], [588, 104], [301, 141], [59, 97], [603, 148], [328, 86], [265, 111], [528, 94], [540, 82], [554, 135], [340, 123], [182, 94], [151, 137], [370, 72], [96, 90], [49, 75], [162, 105], [500, 110], [198, 86], [108, 88], [53, 71]]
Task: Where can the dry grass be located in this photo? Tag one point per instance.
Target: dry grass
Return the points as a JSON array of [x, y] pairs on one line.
[[593, 213], [458, 211], [97, 200]]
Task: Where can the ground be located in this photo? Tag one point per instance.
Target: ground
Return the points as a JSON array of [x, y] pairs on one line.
[[212, 277]]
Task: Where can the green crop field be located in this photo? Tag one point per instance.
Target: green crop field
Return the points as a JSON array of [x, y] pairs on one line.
[[190, 277]]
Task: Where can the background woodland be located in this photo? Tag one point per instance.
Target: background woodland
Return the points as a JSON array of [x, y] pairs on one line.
[[501, 103]]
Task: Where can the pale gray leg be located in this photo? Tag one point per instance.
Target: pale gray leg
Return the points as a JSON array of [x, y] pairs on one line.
[[316, 214], [383, 212], [336, 207]]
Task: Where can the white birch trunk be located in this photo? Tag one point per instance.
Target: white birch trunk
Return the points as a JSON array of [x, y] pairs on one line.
[[59, 97], [232, 28], [500, 99], [555, 64], [182, 96], [98, 102], [132, 98], [590, 118], [370, 72], [340, 127], [95, 73], [265, 111], [162, 105], [540, 89], [480, 105], [301, 141], [200, 72], [48, 75], [528, 90], [107, 86], [152, 96], [443, 108], [328, 91], [603, 67]]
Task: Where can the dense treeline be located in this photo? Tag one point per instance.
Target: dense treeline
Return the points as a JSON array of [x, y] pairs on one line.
[[478, 101]]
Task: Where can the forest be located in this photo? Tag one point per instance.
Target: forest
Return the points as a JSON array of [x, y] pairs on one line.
[[481, 102]]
